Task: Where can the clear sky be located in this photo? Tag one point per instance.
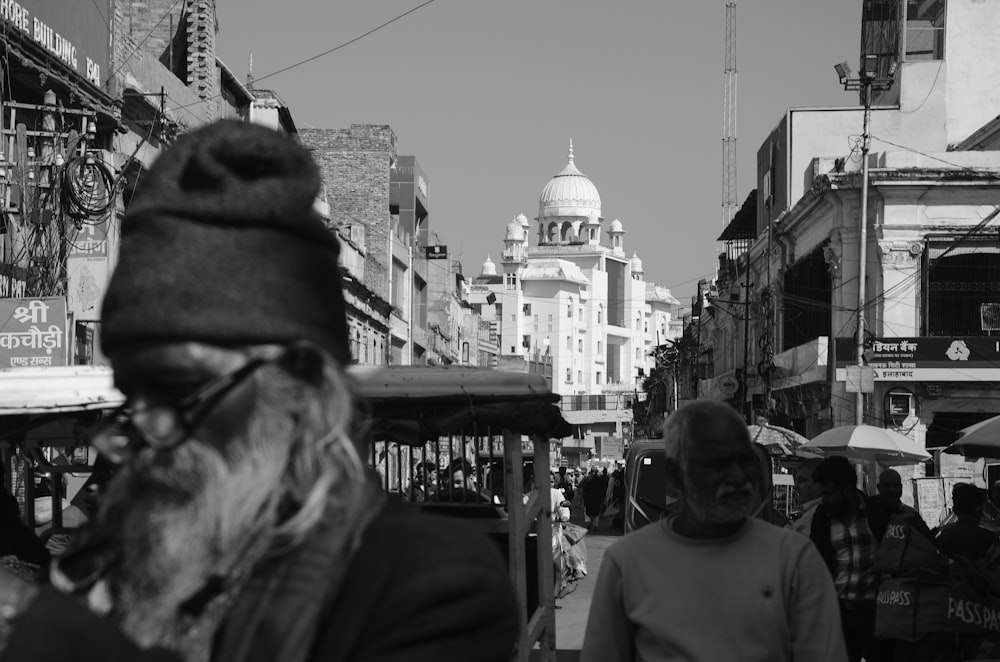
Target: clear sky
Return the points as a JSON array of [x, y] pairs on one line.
[[488, 93]]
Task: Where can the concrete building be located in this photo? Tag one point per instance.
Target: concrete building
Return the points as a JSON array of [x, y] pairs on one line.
[[932, 258], [576, 307]]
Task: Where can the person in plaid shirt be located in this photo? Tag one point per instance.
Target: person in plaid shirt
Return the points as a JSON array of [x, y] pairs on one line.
[[846, 529]]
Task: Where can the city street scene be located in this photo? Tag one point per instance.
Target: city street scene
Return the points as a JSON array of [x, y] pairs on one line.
[[444, 331]]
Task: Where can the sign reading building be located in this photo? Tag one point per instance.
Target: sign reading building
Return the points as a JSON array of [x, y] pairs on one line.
[[436, 252], [32, 332], [74, 33]]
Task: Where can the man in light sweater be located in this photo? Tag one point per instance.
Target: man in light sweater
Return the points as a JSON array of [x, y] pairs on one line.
[[711, 582]]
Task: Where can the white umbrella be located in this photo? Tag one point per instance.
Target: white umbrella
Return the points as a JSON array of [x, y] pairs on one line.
[[867, 442], [979, 440]]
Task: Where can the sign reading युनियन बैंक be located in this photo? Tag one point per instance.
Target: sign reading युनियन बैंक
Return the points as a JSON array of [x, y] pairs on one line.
[[924, 358], [32, 332], [74, 32]]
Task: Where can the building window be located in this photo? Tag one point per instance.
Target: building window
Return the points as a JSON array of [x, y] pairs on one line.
[[526, 341], [593, 234], [569, 375], [569, 343], [600, 314], [599, 347], [513, 317], [638, 354], [569, 309], [579, 345], [465, 352], [598, 378], [579, 376], [580, 314], [924, 30], [526, 309]]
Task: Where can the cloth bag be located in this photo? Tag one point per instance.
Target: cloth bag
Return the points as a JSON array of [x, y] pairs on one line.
[[908, 608], [904, 550]]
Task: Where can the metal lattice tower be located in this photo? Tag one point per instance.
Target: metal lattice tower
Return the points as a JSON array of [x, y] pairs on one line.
[[729, 202]]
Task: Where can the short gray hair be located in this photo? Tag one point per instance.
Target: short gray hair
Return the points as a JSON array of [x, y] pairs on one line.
[[694, 420]]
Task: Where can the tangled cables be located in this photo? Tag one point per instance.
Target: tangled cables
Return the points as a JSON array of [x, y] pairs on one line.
[[88, 187]]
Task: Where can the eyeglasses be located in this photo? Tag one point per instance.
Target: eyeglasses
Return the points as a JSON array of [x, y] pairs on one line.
[[166, 425]]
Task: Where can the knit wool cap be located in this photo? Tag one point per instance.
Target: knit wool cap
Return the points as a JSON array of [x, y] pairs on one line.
[[221, 245]]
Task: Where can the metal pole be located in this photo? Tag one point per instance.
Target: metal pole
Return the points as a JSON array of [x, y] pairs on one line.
[[747, 408], [859, 407]]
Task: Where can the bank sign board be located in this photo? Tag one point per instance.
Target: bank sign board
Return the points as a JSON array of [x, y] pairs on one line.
[[74, 32], [33, 332], [926, 359]]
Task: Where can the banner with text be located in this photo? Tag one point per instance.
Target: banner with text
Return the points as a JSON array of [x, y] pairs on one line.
[[33, 332], [926, 358]]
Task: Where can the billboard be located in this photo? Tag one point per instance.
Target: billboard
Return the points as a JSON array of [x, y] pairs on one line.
[[927, 358], [33, 332], [76, 33]]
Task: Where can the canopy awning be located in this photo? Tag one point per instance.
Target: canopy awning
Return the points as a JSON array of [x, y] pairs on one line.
[[409, 404], [49, 390], [414, 404]]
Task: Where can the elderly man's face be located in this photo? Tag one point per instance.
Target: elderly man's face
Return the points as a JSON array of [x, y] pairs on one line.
[[179, 390], [719, 479]]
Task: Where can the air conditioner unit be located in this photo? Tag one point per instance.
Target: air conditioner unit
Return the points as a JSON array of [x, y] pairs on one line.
[[989, 315]]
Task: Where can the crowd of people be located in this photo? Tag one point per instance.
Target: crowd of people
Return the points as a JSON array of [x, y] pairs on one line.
[[772, 589], [240, 522]]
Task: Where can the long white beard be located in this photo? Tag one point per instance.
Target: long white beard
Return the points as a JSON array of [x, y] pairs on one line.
[[181, 517]]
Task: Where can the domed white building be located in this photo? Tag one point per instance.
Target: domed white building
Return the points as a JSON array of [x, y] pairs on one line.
[[575, 308]]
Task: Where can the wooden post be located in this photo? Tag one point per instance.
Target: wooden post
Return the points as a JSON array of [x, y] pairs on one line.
[[516, 535]]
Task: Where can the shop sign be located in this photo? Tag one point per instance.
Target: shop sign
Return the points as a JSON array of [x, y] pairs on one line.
[[74, 33], [32, 332], [88, 272], [957, 352]]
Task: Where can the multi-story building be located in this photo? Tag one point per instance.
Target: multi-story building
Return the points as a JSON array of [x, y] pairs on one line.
[[929, 353], [576, 308]]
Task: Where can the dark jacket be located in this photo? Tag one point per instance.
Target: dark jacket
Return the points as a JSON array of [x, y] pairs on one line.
[[878, 520], [419, 589]]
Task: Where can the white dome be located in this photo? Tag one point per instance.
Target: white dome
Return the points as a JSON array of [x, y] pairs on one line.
[[636, 264], [569, 193], [515, 231], [616, 226], [489, 268], [522, 219]]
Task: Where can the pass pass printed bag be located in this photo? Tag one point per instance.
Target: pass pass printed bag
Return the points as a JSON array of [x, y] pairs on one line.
[[908, 608]]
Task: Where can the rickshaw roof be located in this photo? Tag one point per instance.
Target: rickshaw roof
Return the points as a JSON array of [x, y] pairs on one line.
[[437, 399]]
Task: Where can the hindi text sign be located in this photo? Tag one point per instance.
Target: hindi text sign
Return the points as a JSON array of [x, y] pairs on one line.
[[32, 332]]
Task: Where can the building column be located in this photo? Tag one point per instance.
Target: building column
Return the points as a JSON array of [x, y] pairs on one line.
[[901, 278]]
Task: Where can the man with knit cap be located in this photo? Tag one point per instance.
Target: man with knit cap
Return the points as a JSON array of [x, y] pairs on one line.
[[243, 525]]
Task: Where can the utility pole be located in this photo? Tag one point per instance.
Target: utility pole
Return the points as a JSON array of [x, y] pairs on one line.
[[868, 80]]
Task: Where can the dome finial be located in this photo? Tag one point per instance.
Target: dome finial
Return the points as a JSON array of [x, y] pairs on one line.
[[571, 150]]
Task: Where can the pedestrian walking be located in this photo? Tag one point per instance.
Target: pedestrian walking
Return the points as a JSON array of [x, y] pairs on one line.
[[810, 495], [710, 582], [593, 490], [847, 529], [243, 524]]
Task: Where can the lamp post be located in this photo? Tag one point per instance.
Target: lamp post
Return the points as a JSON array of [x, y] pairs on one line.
[[865, 83]]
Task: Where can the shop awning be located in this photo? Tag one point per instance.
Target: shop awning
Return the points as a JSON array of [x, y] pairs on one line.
[[49, 390]]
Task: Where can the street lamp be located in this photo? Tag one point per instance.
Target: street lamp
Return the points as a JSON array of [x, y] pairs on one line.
[[865, 83]]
